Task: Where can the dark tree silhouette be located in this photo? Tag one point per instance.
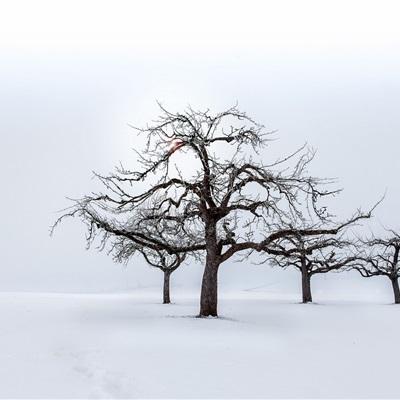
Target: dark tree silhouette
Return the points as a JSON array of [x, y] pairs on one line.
[[229, 203], [313, 255], [123, 249], [166, 263], [380, 257]]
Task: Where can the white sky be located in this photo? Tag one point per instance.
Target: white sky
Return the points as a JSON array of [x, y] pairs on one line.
[[74, 73], [97, 25]]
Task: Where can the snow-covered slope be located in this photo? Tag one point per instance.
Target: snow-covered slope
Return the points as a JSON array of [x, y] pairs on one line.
[[130, 345]]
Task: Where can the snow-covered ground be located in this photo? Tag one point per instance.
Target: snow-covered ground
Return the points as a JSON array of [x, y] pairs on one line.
[[130, 345]]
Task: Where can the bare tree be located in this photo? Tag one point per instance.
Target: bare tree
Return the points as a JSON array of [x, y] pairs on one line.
[[123, 249], [312, 255], [229, 204], [380, 257], [167, 264]]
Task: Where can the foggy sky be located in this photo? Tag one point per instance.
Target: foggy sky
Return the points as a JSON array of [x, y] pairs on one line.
[[73, 76]]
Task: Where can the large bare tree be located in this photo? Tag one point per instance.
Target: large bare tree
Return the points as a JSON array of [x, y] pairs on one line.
[[380, 257], [226, 200]]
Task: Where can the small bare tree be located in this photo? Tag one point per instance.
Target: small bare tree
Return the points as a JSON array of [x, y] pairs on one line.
[[380, 257], [313, 255], [229, 204], [166, 263], [124, 249]]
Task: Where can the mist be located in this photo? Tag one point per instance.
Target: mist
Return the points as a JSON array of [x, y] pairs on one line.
[[69, 91]]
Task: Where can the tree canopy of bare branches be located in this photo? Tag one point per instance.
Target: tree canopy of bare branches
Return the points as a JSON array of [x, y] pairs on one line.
[[233, 202], [380, 257], [312, 255]]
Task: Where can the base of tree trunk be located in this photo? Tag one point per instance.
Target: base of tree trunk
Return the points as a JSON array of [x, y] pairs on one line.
[[209, 292], [396, 291], [208, 312], [306, 289], [166, 297]]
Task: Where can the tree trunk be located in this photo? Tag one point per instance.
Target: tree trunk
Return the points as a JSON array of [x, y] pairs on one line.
[[396, 290], [209, 285], [166, 298], [306, 286], [209, 291]]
